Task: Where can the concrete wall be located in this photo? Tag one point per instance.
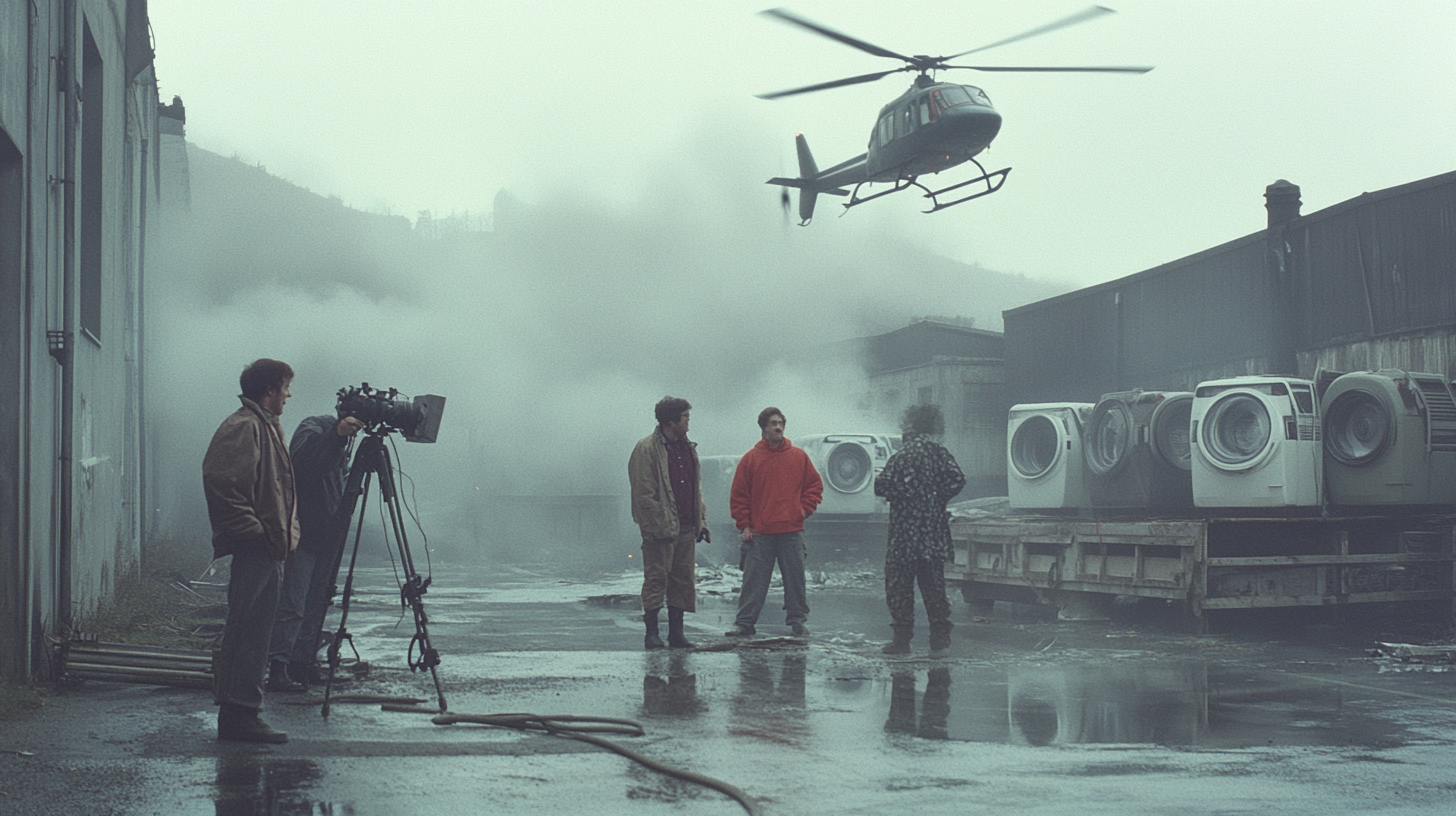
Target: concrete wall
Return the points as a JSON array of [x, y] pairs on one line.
[[72, 222], [971, 394]]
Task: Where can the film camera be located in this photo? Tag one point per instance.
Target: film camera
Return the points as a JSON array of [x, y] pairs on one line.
[[383, 411]]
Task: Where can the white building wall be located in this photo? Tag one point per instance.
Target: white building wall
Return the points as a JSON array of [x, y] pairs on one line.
[[60, 550]]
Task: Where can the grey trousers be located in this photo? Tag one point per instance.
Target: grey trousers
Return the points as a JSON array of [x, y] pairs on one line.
[[302, 605], [787, 549], [241, 661]]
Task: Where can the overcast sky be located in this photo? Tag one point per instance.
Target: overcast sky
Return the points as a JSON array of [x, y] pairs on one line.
[[436, 105]]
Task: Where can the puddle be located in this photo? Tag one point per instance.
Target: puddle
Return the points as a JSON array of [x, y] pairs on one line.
[[1177, 704]]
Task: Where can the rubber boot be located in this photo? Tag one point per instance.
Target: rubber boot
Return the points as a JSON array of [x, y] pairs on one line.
[[237, 723], [653, 639], [900, 645], [940, 643], [279, 681], [675, 637]]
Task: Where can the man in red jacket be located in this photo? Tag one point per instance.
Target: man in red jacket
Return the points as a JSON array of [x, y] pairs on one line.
[[774, 489]]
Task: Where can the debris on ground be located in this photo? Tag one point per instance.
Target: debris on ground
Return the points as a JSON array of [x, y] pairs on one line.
[[1406, 657]]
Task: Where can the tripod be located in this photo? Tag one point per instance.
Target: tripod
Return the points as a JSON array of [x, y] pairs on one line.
[[370, 459]]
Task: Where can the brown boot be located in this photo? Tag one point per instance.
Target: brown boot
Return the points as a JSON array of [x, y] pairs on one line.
[[236, 723]]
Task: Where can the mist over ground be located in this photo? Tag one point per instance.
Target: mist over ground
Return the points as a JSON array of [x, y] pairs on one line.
[[551, 336]]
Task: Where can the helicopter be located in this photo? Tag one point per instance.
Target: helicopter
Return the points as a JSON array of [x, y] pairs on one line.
[[931, 127]]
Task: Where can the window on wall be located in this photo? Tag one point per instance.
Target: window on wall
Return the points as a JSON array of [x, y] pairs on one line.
[[925, 395], [92, 116]]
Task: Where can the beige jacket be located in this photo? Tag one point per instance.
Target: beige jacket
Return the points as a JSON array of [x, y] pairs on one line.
[[248, 478], [653, 507]]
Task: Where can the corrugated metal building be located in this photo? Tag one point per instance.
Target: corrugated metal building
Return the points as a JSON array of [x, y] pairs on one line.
[[78, 146], [1367, 283]]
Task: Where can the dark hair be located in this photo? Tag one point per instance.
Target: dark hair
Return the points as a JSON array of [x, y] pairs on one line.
[[922, 419], [670, 409], [769, 412], [261, 375]]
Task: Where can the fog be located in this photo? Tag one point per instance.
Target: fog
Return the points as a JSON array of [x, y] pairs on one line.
[[551, 336]]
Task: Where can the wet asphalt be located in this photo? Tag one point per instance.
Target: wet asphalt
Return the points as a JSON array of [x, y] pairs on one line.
[[1027, 714]]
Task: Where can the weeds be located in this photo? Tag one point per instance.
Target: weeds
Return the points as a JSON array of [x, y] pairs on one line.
[[153, 605]]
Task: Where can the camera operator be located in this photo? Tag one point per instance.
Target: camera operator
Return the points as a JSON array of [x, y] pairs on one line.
[[320, 452]]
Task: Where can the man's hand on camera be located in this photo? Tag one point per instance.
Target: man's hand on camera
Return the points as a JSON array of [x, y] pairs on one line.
[[348, 426]]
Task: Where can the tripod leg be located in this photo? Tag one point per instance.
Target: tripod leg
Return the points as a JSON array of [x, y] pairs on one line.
[[356, 487], [414, 587]]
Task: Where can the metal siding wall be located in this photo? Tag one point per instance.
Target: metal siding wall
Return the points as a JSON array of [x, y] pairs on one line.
[[1386, 265]]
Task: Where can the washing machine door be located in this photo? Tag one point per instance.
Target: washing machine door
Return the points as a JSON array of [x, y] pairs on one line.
[[1109, 437], [1238, 430], [1169, 431], [848, 468], [1036, 445], [1359, 426]]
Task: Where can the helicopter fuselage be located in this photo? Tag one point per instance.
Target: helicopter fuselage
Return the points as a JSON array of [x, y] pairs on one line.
[[929, 128]]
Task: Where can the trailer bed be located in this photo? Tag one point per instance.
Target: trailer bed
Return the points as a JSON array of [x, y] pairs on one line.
[[1207, 564]]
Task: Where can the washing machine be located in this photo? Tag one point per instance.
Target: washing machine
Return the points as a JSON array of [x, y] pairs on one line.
[[1136, 450], [1390, 438], [1044, 455], [1256, 443], [847, 464]]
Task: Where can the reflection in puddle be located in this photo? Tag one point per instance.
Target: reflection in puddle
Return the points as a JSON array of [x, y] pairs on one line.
[[669, 689], [250, 784], [1158, 703], [934, 707], [769, 703]]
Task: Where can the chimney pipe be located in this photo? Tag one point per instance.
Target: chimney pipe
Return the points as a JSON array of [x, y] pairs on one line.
[[1282, 201]]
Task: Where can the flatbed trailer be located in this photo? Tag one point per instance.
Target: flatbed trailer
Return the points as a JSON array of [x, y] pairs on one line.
[[1205, 565]]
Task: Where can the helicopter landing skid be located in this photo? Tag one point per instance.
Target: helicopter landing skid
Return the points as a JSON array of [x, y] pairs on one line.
[[993, 182]]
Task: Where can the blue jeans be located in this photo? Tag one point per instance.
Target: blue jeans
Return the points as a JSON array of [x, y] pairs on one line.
[[787, 549]]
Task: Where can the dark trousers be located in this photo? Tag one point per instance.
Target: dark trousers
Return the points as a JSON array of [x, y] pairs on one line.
[[900, 579], [302, 605], [241, 661]]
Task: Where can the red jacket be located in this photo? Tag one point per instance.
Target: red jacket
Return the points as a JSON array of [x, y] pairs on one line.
[[774, 489]]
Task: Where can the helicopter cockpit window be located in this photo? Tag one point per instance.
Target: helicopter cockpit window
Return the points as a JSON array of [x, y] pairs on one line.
[[952, 95], [978, 96], [925, 114]]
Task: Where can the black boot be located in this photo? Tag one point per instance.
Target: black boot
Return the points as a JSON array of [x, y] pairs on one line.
[[900, 645], [653, 640], [236, 723], [279, 681], [675, 637]]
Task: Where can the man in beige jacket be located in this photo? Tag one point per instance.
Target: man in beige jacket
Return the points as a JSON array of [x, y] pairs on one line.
[[247, 476], [667, 504]]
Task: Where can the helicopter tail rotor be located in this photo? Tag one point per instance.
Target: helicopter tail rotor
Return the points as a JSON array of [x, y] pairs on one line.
[[806, 182]]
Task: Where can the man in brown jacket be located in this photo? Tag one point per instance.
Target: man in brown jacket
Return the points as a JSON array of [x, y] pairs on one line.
[[248, 478], [667, 504]]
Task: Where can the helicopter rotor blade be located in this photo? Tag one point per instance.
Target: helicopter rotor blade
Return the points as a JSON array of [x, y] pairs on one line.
[[1107, 69], [838, 83], [789, 17], [1089, 13]]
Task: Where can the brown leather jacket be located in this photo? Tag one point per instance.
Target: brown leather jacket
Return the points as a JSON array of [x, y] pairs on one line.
[[248, 478], [653, 507]]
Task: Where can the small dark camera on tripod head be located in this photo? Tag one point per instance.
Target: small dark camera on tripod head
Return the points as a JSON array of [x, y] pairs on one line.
[[383, 412]]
